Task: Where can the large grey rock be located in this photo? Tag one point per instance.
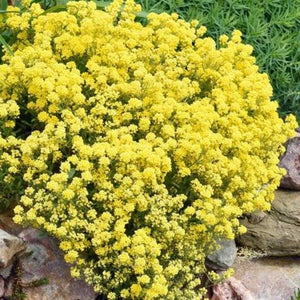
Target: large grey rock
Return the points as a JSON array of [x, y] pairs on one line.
[[277, 232], [9, 246], [223, 258], [291, 162]]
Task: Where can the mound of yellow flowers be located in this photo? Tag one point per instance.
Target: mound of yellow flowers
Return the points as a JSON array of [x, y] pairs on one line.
[[138, 147]]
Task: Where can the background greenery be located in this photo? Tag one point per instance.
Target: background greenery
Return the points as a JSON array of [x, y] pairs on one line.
[[272, 27]]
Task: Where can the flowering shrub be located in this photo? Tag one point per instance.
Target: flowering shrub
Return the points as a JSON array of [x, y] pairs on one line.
[[138, 147], [271, 27]]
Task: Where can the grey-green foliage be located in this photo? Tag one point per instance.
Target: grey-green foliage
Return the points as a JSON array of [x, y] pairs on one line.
[[272, 27]]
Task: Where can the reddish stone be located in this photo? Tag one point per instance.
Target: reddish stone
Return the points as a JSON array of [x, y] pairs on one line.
[[231, 289], [46, 261]]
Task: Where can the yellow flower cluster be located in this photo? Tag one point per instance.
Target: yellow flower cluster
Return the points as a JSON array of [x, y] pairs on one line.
[[138, 147]]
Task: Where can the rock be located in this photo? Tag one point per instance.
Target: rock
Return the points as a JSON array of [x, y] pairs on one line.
[[42, 259], [2, 288], [9, 246], [256, 217], [269, 278], [286, 206], [231, 289], [7, 224], [5, 272], [46, 261], [278, 233], [223, 258], [291, 162], [9, 289]]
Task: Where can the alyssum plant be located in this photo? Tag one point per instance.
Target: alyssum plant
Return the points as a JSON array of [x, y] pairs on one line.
[[272, 27], [138, 147]]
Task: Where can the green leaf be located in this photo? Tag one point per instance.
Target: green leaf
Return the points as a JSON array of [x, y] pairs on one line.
[[56, 8], [72, 173], [142, 14], [18, 3], [102, 4], [296, 295], [62, 2], [4, 43], [3, 5]]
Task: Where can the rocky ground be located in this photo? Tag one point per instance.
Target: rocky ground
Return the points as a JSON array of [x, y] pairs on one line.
[[38, 269], [269, 278]]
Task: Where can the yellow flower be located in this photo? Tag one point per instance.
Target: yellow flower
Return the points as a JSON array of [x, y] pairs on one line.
[[18, 209], [71, 256], [135, 290], [65, 245], [144, 279], [17, 219], [68, 194]]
